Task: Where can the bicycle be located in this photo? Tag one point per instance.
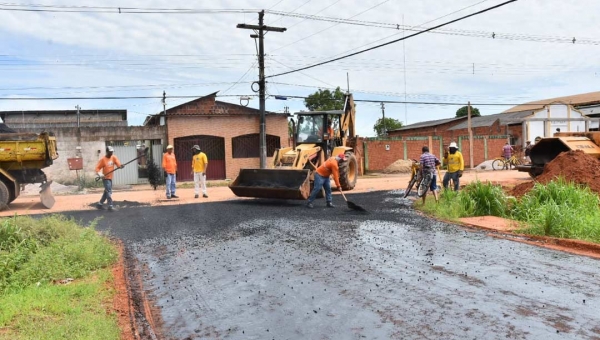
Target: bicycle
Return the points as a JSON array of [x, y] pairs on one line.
[[425, 183], [500, 163], [414, 178]]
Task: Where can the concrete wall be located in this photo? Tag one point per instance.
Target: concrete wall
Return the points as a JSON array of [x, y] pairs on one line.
[[51, 119], [92, 141]]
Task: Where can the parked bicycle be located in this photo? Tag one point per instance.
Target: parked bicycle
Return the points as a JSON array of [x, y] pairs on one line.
[[501, 163], [423, 182]]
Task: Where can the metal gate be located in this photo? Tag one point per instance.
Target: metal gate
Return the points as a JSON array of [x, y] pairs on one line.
[[129, 174], [212, 146]]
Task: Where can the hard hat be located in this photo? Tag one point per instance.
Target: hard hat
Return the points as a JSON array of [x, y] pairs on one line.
[[196, 147], [109, 149], [169, 146], [453, 145], [341, 157]]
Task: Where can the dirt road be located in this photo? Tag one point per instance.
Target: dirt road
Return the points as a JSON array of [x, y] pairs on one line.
[[264, 269]]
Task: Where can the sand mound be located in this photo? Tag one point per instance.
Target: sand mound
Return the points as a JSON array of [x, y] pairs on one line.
[[574, 166], [400, 166]]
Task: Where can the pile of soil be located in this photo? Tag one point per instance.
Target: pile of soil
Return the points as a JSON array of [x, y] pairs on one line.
[[573, 166], [400, 166]]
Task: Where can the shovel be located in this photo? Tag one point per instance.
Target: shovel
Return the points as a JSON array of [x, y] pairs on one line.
[[352, 205], [123, 165]]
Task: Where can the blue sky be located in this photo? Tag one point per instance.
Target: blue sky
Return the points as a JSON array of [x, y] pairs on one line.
[[92, 54]]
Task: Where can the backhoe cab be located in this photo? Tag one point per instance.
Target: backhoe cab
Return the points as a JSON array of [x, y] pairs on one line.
[[291, 173]]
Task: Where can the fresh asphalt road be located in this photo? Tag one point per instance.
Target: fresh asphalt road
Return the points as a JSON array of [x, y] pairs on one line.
[[265, 269]]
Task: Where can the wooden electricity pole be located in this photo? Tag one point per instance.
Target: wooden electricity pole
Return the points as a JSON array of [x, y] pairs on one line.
[[470, 136], [260, 34]]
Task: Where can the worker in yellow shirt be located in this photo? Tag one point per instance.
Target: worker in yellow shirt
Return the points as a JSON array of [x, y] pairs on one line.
[[456, 166], [199, 166]]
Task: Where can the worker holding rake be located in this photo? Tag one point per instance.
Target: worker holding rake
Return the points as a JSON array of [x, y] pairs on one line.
[[105, 169]]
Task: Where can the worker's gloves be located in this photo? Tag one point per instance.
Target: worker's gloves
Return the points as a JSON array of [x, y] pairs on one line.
[[122, 166], [203, 174], [100, 174], [460, 173]]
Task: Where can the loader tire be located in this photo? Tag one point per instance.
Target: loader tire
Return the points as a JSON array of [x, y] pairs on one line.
[[349, 172], [4, 196]]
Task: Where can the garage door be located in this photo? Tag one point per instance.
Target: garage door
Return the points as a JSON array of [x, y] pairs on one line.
[[212, 146]]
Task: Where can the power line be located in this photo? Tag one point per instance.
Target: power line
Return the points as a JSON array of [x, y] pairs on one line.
[[325, 29], [117, 97], [321, 10], [241, 78], [397, 40], [115, 10], [294, 10]]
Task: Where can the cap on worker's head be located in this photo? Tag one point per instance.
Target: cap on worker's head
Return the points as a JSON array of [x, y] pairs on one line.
[[341, 157], [169, 146], [196, 147], [453, 145], [109, 149], [528, 141]]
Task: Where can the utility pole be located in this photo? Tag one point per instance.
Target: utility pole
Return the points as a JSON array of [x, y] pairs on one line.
[[78, 114], [261, 29], [383, 113], [470, 135], [164, 102]]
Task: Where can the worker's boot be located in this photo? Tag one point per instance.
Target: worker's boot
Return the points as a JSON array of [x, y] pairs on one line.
[[330, 205], [309, 205]]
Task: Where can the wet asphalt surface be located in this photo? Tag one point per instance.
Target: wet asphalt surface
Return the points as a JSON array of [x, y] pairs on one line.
[[267, 269]]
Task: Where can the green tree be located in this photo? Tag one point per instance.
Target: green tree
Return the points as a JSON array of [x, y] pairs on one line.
[[463, 112], [390, 124], [325, 100]]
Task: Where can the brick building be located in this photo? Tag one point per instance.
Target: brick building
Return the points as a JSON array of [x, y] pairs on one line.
[[227, 133]]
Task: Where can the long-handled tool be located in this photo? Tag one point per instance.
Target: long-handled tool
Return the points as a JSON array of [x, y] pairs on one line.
[[123, 165], [353, 205]]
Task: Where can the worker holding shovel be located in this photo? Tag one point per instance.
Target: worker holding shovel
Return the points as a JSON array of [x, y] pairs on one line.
[[105, 169], [331, 166]]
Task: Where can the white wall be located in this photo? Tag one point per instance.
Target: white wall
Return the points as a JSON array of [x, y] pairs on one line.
[[559, 115]]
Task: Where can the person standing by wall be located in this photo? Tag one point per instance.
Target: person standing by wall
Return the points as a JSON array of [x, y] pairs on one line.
[[456, 166], [528, 152], [169, 165], [105, 169], [507, 151], [199, 166]]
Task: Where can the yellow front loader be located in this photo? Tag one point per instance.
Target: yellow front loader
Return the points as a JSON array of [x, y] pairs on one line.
[[291, 173]]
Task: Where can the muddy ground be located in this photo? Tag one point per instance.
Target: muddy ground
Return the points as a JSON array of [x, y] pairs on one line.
[[265, 269]]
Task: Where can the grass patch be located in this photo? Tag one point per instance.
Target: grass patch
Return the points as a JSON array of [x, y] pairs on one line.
[[209, 184], [34, 255], [560, 209], [476, 199]]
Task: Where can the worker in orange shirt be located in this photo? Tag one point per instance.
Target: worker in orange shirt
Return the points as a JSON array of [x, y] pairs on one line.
[[105, 169], [330, 167], [169, 165]]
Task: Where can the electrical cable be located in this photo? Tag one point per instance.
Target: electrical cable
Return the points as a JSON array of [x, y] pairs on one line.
[[397, 40], [325, 29]]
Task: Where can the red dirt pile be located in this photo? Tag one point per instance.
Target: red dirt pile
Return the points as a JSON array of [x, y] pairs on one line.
[[573, 166]]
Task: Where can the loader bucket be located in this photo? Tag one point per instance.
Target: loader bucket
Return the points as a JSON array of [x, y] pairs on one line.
[[272, 183], [46, 195]]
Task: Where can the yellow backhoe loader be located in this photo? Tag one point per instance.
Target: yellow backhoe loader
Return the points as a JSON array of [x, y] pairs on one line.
[[22, 156], [546, 149], [291, 173]]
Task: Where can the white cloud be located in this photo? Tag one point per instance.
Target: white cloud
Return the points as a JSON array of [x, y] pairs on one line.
[[439, 67]]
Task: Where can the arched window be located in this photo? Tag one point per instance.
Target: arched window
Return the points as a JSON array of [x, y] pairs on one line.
[[247, 146]]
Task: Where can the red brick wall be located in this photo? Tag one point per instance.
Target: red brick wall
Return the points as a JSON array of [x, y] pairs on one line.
[[379, 158], [228, 126]]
